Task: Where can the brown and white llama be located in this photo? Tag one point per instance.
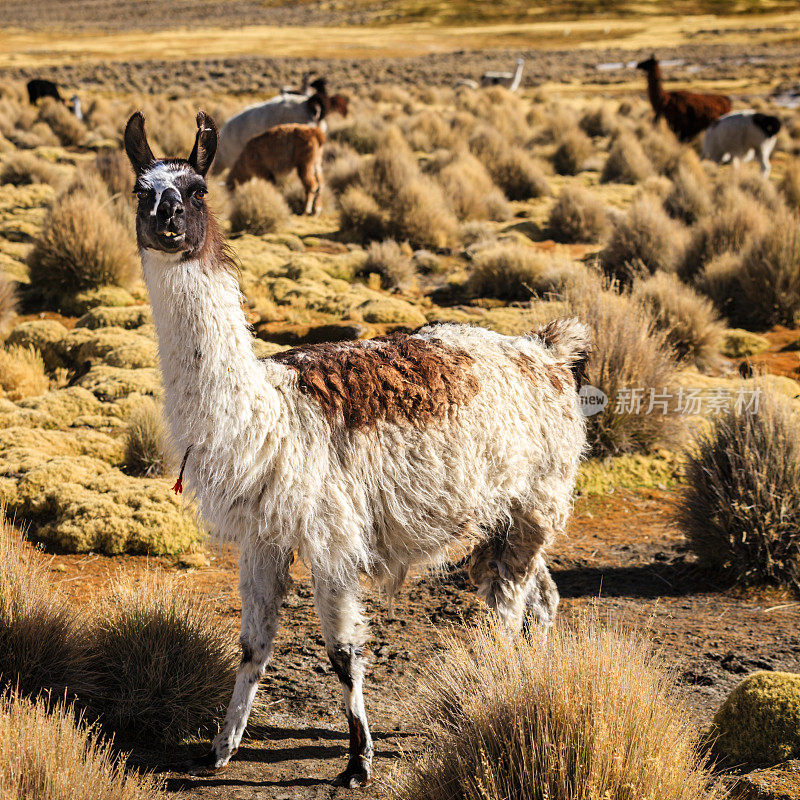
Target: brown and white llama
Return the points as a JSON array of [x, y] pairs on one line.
[[364, 457], [277, 152], [686, 113]]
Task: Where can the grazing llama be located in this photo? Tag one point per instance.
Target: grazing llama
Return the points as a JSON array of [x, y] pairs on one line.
[[686, 113], [277, 152], [740, 136], [363, 457], [511, 80]]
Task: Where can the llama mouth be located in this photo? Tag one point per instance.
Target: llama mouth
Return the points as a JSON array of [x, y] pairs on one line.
[[172, 238]]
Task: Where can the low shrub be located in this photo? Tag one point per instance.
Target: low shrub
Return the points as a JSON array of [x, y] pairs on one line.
[[48, 755], [391, 262], [645, 239], [578, 215], [42, 644], [360, 215], [740, 509], [584, 714], [8, 304], [599, 120], [469, 189], [510, 271], [626, 162], [163, 667], [690, 321], [573, 148], [115, 170], [148, 450], [82, 245], [23, 168], [790, 186], [257, 207], [22, 373], [690, 197], [632, 363], [68, 129]]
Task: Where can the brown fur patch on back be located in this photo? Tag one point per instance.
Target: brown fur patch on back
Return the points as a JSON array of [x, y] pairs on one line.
[[398, 378], [535, 371]]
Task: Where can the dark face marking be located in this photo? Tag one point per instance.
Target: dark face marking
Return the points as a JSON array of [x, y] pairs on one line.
[[398, 378]]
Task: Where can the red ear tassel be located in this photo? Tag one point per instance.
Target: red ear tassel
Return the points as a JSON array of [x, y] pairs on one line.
[[178, 487]]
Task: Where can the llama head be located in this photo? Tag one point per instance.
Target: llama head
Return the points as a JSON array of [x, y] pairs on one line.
[[172, 216], [648, 63], [340, 104]]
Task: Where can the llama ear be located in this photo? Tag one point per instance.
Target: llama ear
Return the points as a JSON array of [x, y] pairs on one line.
[[136, 146], [205, 144]]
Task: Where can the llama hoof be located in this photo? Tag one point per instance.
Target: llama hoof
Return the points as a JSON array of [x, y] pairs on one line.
[[357, 774], [208, 764]]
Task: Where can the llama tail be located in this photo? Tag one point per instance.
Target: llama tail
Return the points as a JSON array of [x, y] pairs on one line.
[[569, 340], [320, 134]]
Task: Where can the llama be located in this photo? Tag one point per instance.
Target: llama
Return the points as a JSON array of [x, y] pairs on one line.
[[686, 113], [280, 110], [511, 80], [75, 107], [741, 135], [360, 457], [39, 88], [307, 88], [279, 151]]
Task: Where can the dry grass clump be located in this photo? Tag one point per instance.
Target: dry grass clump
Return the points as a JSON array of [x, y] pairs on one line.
[[148, 450], [790, 186], [736, 221], [690, 197], [23, 168], [392, 262], [512, 271], [626, 162], [68, 129], [115, 170], [8, 304], [573, 148], [47, 755], [632, 359], [360, 215], [361, 133], [22, 373], [599, 120], [511, 167], [42, 645], [741, 505], [646, 238], [469, 188], [82, 245], [342, 168], [690, 321], [578, 215], [163, 667], [584, 714], [257, 207], [770, 277]]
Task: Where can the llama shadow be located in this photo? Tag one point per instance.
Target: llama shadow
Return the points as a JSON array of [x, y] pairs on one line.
[[647, 582]]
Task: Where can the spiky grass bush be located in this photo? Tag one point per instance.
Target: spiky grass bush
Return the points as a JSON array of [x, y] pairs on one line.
[[599, 120], [82, 245], [512, 271], [148, 450], [626, 162], [24, 168], [257, 207], [584, 714], [48, 755], [645, 239], [389, 260], [22, 373], [573, 148], [360, 215], [689, 200], [68, 129], [790, 186], [690, 321], [578, 215], [741, 505], [469, 188], [631, 358], [115, 170], [42, 644], [770, 277], [8, 304], [163, 668]]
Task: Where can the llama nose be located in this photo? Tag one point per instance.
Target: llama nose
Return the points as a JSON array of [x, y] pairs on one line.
[[170, 212]]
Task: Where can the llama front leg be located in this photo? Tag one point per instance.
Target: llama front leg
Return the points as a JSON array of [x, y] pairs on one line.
[[263, 582], [344, 629]]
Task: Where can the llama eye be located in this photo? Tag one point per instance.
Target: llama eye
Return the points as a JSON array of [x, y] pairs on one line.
[[200, 194], [141, 194]]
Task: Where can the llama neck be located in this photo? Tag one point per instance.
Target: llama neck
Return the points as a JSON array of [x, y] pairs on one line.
[[216, 394], [655, 88]]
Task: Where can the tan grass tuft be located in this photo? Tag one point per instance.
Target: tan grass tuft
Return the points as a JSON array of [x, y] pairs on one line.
[[22, 373], [257, 207], [148, 450], [573, 149], [626, 162], [578, 215], [8, 304], [23, 168], [391, 262]]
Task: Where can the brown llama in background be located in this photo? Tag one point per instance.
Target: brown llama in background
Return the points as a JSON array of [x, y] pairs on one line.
[[686, 113]]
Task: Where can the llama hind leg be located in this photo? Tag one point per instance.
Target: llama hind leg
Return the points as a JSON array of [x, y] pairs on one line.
[[263, 582], [344, 629], [311, 185], [541, 599]]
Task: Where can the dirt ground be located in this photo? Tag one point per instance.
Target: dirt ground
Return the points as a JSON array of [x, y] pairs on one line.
[[622, 556]]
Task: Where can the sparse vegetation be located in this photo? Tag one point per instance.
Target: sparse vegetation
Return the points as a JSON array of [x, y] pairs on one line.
[[584, 714], [147, 446], [389, 260], [22, 373], [23, 168], [257, 207], [512, 272], [573, 148], [741, 506], [626, 162], [577, 216], [163, 667]]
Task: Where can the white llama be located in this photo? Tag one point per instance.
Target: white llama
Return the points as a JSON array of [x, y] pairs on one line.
[[360, 457]]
